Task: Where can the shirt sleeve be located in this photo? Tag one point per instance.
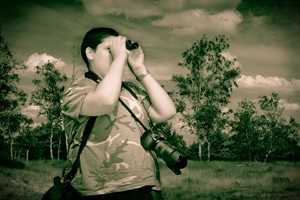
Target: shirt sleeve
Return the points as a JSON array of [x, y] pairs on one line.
[[74, 98]]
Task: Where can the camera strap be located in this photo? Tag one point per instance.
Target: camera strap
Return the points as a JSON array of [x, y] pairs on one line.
[[97, 79], [86, 133]]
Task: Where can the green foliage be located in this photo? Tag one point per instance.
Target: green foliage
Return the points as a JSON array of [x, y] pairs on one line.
[[11, 96], [211, 76], [193, 151], [36, 142], [244, 125]]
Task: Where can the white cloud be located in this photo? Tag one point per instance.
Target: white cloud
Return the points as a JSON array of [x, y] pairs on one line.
[[41, 59], [132, 8], [225, 109], [142, 8], [31, 111], [289, 106], [268, 82], [197, 20], [230, 57]]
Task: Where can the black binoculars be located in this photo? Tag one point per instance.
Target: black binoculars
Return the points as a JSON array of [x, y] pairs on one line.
[[131, 45]]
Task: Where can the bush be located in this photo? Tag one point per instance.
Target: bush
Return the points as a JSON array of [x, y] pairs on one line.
[[7, 162]]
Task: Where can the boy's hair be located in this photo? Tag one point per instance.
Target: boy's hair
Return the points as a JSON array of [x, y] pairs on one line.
[[94, 37]]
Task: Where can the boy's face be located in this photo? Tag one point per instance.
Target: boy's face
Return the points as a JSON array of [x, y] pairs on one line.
[[103, 58]]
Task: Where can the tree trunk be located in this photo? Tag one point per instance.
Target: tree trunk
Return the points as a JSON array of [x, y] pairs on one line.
[[267, 155], [51, 145], [11, 148], [58, 148], [200, 151], [208, 151], [19, 154], [27, 155], [249, 146], [249, 156]]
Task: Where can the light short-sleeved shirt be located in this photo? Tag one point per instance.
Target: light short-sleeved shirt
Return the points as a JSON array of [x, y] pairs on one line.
[[113, 159]]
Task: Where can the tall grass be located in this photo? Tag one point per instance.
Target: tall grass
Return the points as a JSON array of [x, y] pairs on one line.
[[28, 183], [200, 180], [233, 180]]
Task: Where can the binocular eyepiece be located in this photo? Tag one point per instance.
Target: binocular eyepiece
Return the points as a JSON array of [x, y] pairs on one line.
[[131, 45]]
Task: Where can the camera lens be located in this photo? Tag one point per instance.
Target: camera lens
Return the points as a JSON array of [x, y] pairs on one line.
[[174, 158]]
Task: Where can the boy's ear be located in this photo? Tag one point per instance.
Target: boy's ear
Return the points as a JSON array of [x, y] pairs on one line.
[[89, 53]]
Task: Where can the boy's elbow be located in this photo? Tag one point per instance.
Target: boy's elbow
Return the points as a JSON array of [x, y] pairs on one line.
[[108, 105], [167, 115], [172, 112]]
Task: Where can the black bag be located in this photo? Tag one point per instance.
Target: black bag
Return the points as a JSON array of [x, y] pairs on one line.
[[62, 188], [61, 191]]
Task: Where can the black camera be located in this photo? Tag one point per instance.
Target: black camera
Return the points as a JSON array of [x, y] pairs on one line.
[[174, 158], [131, 45]]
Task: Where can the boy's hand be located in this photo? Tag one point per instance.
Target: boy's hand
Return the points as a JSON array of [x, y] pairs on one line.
[[118, 47], [136, 62]]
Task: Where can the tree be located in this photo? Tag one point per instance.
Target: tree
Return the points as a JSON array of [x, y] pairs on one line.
[[274, 128], [11, 97], [25, 139], [48, 97], [293, 147], [16, 123], [203, 92], [243, 127], [193, 150], [264, 134]]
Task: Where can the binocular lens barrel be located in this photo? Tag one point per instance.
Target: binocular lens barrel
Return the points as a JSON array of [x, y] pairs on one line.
[[131, 45]]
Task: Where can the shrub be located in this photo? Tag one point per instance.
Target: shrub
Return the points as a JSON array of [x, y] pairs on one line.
[[7, 162]]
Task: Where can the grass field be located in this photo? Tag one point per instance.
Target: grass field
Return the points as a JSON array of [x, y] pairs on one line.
[[200, 180]]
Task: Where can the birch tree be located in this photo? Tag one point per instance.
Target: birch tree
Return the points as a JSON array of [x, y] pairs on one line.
[[48, 97], [205, 89], [245, 131]]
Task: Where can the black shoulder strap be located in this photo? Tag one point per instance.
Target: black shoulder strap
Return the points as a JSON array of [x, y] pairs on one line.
[[86, 133], [96, 78], [93, 76]]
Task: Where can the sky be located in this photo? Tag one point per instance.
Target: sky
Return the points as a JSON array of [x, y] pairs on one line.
[[263, 36]]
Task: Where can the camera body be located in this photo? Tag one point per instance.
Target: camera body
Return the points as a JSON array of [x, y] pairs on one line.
[[131, 45], [174, 158]]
